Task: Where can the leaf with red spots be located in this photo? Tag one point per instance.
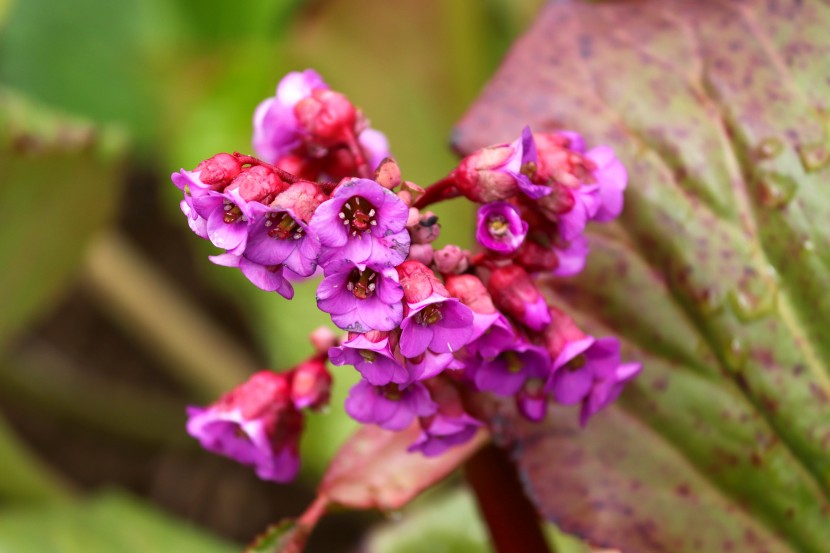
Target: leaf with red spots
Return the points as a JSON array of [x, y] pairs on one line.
[[715, 276]]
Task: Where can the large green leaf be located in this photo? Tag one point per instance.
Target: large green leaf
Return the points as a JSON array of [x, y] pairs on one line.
[[715, 277], [112, 522], [58, 182]]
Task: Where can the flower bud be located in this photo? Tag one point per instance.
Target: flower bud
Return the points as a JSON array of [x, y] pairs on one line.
[[451, 260], [322, 338], [515, 294], [302, 198], [471, 291], [258, 183], [410, 192], [560, 332], [422, 253], [327, 116], [427, 229], [311, 384], [388, 174], [419, 282], [219, 170], [484, 176], [536, 258]]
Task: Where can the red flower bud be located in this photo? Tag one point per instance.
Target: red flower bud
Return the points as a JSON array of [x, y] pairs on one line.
[[536, 258], [311, 384], [302, 198], [322, 338], [472, 293], [419, 282], [515, 294], [451, 260], [560, 332], [422, 253], [258, 183], [327, 116], [481, 176], [219, 170]]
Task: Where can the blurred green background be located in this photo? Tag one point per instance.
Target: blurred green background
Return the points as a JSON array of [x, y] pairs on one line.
[[111, 317]]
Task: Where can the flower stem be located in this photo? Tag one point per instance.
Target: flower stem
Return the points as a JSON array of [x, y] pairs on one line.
[[444, 189], [511, 519]]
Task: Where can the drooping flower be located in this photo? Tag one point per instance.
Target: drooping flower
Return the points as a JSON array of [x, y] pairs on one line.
[[506, 373], [571, 258], [589, 370], [390, 407], [255, 424], [612, 178], [374, 360], [361, 297], [362, 222], [500, 227], [441, 432], [515, 294]]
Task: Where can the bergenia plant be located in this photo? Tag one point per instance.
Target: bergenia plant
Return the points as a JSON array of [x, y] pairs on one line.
[[433, 332]]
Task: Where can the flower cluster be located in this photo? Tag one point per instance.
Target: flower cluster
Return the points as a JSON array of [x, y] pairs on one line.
[[425, 326]]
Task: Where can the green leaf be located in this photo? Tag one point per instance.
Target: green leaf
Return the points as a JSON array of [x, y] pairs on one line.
[[110, 522], [715, 277], [60, 181]]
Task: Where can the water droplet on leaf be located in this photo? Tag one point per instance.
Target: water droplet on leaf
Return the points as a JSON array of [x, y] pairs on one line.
[[769, 148], [814, 156], [776, 190]]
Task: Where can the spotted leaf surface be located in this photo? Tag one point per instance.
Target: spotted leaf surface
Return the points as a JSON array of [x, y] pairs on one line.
[[715, 277]]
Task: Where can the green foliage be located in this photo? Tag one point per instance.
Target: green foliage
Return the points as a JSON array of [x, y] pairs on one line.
[[715, 279], [109, 522]]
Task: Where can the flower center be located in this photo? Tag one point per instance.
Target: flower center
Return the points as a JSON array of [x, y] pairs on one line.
[[429, 315], [232, 213], [282, 226], [529, 169], [359, 215], [391, 392], [368, 355], [514, 364], [535, 387], [498, 226], [576, 363], [361, 284]]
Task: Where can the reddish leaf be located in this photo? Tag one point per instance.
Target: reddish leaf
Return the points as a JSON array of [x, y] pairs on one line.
[[716, 277], [373, 470]]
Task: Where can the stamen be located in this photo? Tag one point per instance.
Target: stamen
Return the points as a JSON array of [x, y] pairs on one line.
[[341, 215], [372, 212]]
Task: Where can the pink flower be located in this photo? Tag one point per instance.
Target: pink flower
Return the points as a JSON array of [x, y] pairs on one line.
[[390, 407], [500, 227], [361, 297], [255, 424]]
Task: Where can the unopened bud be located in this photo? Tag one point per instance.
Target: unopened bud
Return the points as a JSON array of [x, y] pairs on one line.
[[219, 170], [483, 175], [327, 116], [426, 229], [322, 338], [515, 294], [536, 258], [258, 183], [388, 174], [472, 293], [302, 198], [311, 384], [410, 192], [422, 253], [418, 282], [451, 260]]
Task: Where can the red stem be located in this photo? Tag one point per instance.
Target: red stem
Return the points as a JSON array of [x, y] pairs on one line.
[[511, 519], [444, 189]]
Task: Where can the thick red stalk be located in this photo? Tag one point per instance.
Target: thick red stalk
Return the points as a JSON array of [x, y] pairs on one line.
[[511, 519], [444, 189]]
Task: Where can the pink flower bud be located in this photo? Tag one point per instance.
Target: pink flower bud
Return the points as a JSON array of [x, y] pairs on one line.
[[422, 253], [536, 258], [388, 174], [302, 198], [311, 384], [451, 260], [560, 332], [419, 282], [219, 170], [483, 176], [471, 291], [426, 229], [515, 294], [322, 338], [327, 116], [258, 183], [410, 192]]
